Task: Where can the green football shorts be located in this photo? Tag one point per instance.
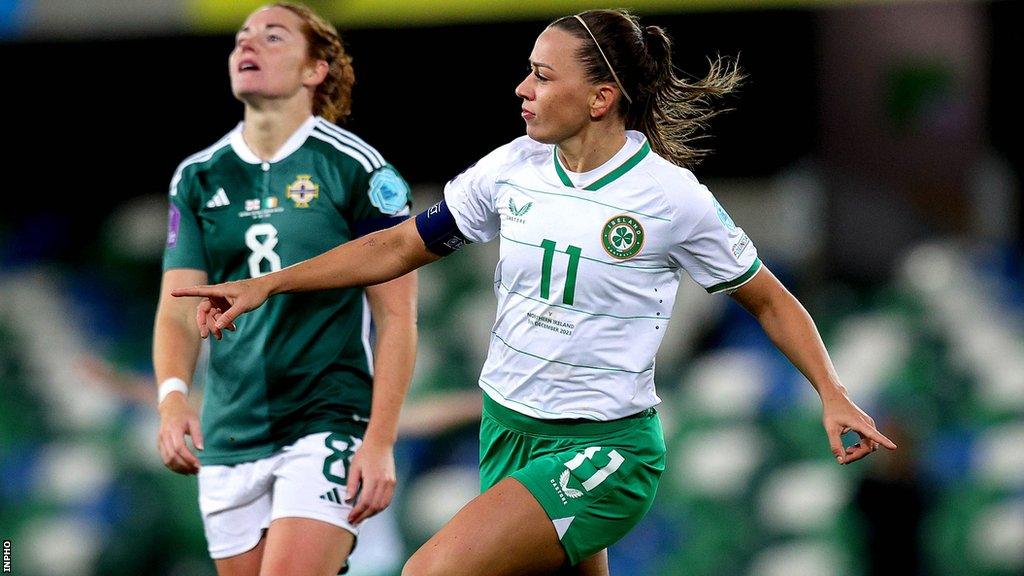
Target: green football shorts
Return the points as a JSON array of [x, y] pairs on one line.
[[595, 480]]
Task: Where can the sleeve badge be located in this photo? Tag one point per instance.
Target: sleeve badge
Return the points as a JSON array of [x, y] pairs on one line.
[[388, 192]]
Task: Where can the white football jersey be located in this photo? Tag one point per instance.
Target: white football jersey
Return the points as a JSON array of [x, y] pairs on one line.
[[588, 271]]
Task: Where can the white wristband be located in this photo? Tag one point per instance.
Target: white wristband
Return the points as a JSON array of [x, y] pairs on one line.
[[171, 385]]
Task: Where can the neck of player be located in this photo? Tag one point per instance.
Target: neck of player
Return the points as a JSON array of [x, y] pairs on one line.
[[592, 146], [269, 124]]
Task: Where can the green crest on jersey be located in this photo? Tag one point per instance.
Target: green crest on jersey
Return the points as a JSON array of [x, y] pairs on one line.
[[302, 191], [622, 237]]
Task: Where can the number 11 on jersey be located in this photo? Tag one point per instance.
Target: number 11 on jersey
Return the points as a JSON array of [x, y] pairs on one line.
[[569, 292]]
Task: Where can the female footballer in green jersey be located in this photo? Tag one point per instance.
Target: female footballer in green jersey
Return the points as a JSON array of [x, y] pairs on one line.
[[598, 219], [295, 441]]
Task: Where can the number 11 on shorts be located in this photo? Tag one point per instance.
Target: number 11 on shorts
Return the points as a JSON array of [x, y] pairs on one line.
[[614, 461]]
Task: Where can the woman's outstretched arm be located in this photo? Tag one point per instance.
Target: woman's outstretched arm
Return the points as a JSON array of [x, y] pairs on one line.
[[793, 332], [369, 260]]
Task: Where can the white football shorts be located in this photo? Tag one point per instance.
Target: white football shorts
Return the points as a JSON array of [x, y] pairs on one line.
[[305, 480]]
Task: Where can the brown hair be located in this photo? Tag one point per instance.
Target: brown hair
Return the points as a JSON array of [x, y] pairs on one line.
[[671, 112], [333, 97]]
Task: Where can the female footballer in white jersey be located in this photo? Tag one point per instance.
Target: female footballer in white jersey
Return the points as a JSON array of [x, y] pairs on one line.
[[598, 219], [300, 415]]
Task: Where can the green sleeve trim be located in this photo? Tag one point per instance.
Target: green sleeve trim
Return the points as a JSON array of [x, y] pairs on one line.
[[737, 282]]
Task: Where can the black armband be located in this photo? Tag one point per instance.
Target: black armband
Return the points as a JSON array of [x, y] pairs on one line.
[[439, 231]]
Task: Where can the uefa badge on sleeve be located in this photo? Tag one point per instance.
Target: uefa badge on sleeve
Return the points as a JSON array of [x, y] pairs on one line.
[[724, 216], [173, 225], [388, 192], [302, 191]]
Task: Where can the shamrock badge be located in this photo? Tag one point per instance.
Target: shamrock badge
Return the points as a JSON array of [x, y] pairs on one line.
[[622, 237]]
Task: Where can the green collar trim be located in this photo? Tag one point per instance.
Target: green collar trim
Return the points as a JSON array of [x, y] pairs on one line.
[[609, 177]]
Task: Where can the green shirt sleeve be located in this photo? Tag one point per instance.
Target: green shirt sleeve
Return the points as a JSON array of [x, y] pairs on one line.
[[184, 248], [379, 200]]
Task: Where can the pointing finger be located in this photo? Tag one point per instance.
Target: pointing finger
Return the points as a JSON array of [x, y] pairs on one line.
[[203, 290]]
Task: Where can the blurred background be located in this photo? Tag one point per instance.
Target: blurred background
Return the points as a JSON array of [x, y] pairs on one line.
[[872, 156]]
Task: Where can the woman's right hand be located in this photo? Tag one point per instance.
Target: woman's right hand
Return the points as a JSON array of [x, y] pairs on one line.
[[222, 303], [177, 419]]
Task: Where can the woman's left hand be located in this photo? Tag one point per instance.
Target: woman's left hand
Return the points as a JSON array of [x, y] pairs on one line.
[[372, 475], [841, 415]]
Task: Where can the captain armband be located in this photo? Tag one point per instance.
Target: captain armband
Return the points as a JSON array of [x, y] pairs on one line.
[[439, 231]]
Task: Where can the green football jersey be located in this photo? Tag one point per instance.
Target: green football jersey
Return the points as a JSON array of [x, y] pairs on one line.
[[299, 364]]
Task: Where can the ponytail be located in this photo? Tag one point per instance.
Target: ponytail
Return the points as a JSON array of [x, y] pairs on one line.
[[670, 111]]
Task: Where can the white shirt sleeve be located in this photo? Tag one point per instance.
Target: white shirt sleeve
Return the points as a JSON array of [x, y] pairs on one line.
[[713, 250], [470, 196]]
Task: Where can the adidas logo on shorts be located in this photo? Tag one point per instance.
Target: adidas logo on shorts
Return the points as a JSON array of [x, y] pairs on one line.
[[332, 495]]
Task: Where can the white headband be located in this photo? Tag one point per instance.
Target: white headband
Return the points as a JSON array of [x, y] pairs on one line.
[[608, 63]]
